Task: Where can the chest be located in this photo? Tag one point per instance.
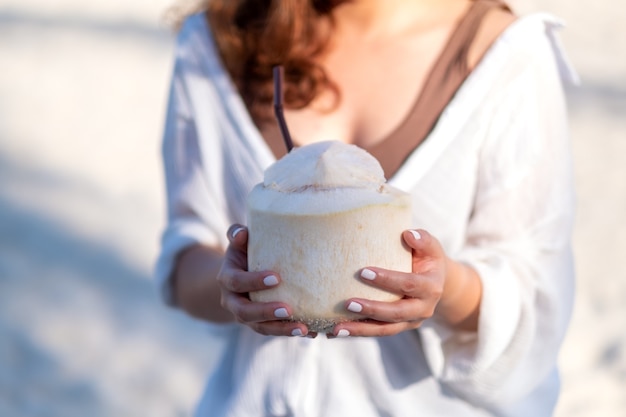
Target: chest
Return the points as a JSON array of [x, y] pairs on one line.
[[379, 83]]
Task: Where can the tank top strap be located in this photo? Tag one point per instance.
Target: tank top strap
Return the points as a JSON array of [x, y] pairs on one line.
[[444, 79]]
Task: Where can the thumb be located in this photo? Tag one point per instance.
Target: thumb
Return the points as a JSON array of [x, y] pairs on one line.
[[423, 244], [238, 236]]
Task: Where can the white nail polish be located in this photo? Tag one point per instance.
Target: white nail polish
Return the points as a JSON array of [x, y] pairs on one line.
[[281, 313], [368, 274], [237, 230], [343, 333], [415, 234], [296, 332], [270, 280], [355, 307]]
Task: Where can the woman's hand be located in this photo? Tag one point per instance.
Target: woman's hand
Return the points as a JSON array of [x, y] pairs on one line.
[[236, 282], [436, 286]]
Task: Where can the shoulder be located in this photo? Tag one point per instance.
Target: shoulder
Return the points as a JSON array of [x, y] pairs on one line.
[[532, 43], [194, 44], [526, 55], [193, 26], [194, 38], [199, 84], [527, 51], [197, 58]]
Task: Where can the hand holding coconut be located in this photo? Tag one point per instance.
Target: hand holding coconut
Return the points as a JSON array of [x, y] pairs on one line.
[[436, 285], [236, 283], [311, 235], [423, 289]]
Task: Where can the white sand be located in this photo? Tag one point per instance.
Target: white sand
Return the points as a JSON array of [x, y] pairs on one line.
[[82, 95]]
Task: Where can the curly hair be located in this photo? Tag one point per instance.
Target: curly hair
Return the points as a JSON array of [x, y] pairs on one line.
[[253, 36]]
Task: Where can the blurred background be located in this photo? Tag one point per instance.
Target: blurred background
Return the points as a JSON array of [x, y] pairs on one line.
[[83, 88]]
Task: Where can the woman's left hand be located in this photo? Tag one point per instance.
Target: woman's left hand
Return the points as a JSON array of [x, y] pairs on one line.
[[422, 290]]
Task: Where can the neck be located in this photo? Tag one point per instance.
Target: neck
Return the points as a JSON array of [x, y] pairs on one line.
[[378, 17]]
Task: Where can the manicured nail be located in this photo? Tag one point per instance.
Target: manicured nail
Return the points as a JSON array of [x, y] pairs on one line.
[[368, 274], [270, 280], [355, 307], [343, 333], [237, 230], [281, 313], [415, 234], [296, 332]]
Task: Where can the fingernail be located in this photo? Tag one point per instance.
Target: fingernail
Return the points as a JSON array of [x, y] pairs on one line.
[[368, 274], [237, 230], [415, 234], [296, 332], [343, 333], [270, 280], [355, 307], [281, 313]]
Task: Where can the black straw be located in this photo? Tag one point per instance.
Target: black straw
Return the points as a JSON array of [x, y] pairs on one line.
[[278, 106]]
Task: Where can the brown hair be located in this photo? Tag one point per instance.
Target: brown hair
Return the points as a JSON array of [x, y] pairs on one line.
[[254, 35]]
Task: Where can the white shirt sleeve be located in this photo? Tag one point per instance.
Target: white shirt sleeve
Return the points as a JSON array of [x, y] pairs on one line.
[[212, 152], [518, 240], [195, 210]]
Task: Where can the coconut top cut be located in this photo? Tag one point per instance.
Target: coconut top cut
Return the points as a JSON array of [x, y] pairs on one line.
[[321, 178], [323, 166]]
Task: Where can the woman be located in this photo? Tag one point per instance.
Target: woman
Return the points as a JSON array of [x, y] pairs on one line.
[[461, 102]]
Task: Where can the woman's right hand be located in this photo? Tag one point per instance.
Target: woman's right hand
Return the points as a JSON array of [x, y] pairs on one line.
[[236, 283]]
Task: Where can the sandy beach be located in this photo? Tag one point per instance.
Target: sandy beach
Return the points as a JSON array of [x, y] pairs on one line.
[[83, 88]]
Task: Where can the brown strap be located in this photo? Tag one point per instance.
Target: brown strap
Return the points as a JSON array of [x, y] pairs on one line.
[[444, 79]]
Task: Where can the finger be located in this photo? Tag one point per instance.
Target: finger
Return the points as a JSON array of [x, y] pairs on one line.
[[425, 248], [246, 311], [264, 318], [407, 284], [371, 328], [238, 236], [405, 310], [281, 328], [236, 256], [235, 279]]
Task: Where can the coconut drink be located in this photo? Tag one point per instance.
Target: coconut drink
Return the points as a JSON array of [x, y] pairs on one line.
[[323, 213]]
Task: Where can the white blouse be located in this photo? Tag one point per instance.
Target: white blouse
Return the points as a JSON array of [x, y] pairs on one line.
[[493, 182]]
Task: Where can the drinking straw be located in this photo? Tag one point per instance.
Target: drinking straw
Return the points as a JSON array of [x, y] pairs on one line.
[[278, 106]]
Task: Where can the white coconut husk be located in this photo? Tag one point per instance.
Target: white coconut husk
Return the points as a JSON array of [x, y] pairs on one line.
[[324, 212]]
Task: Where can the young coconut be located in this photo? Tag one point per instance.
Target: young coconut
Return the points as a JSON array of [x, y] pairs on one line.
[[322, 213]]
